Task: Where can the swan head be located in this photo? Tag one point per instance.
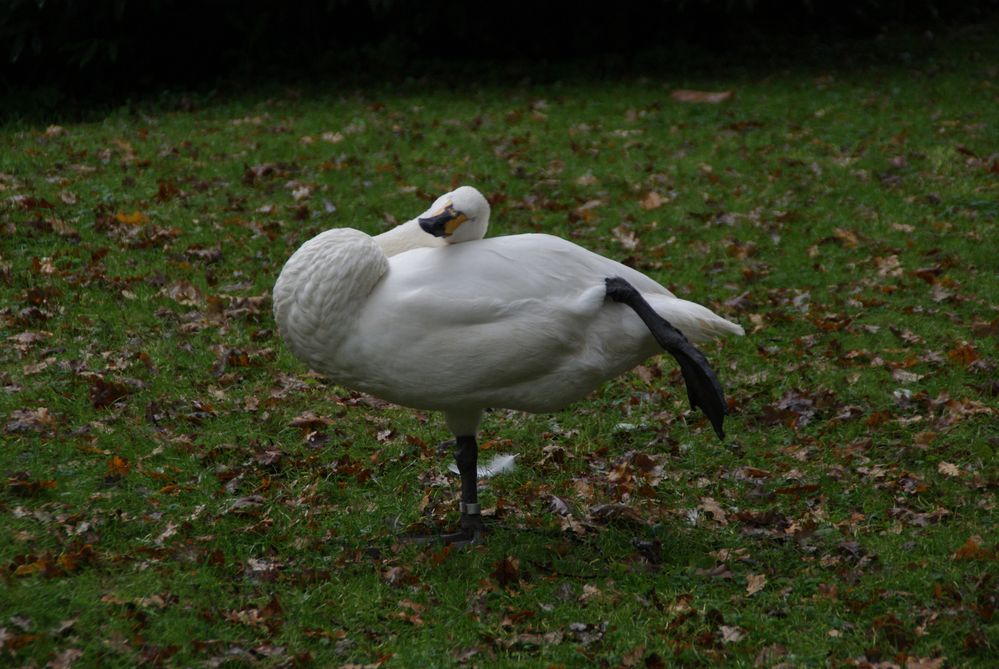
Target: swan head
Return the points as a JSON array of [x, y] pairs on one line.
[[459, 216]]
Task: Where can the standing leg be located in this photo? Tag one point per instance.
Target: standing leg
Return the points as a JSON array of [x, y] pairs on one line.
[[467, 456]]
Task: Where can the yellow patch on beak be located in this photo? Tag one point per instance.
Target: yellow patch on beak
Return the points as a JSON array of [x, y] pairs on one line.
[[454, 223]]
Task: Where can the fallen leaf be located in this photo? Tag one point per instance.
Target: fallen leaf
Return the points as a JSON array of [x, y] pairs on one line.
[[104, 393], [709, 505], [506, 572], [626, 237], [411, 612], [65, 659], [134, 218], [633, 657], [182, 292], [24, 486], [248, 503], [904, 377], [768, 655], [972, 550], [29, 420], [847, 238], [653, 201], [963, 353], [710, 97], [948, 469], [755, 583], [118, 466], [731, 634]]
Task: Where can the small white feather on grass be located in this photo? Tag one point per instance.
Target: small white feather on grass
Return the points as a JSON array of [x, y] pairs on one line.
[[501, 463]]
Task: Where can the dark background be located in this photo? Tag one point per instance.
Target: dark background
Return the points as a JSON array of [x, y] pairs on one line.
[[85, 50]]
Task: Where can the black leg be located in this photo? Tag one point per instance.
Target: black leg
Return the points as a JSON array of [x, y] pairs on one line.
[[467, 457], [703, 389], [471, 526]]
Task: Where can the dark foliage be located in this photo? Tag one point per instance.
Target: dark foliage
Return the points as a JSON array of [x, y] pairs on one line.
[[115, 45]]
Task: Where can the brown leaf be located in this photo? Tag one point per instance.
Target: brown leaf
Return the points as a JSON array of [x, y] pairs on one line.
[[506, 572], [730, 634], [904, 377], [104, 393], [633, 656], [118, 466], [798, 490], [972, 550], [755, 583], [710, 97], [847, 238], [272, 609], [29, 420], [250, 503], [166, 191], [768, 655], [412, 615], [948, 469], [310, 421], [653, 201], [25, 340], [182, 292], [616, 512], [65, 659], [586, 212], [134, 218], [24, 486], [963, 353], [709, 505], [626, 237], [398, 576]]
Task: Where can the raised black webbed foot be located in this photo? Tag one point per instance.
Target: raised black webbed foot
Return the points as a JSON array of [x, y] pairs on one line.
[[703, 388]]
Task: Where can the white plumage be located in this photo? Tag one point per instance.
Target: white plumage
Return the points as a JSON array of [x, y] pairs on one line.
[[518, 322]]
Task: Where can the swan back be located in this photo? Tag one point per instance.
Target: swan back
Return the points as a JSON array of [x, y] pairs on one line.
[[321, 291]]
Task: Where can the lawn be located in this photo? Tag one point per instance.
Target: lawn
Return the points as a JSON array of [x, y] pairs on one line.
[[178, 490]]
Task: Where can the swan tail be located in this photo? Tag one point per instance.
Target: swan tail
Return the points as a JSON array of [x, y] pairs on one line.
[[703, 388], [698, 323]]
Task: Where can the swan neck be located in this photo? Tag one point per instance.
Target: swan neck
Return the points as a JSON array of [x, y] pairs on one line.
[[405, 237]]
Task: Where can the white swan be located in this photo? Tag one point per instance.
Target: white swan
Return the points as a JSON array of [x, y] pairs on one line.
[[530, 322]]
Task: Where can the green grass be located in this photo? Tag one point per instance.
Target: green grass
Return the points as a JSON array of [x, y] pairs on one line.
[[161, 505]]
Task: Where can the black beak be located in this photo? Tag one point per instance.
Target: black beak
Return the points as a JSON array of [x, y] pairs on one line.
[[443, 224], [435, 224]]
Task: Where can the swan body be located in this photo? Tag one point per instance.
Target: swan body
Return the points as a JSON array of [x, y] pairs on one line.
[[518, 322]]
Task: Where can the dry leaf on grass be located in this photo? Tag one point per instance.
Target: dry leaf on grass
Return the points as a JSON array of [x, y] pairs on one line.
[[710, 97]]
